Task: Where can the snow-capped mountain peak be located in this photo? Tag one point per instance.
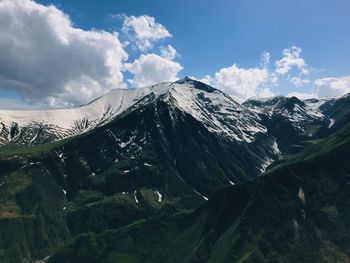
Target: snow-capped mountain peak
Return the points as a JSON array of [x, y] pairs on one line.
[[216, 110], [26, 127]]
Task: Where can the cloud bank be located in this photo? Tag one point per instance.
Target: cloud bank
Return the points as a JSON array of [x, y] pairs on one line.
[[326, 87], [44, 57], [49, 62]]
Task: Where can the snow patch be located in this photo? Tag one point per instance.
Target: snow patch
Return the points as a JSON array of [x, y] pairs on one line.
[[301, 194], [33, 139], [275, 148], [135, 197], [64, 191], [218, 112], [60, 155], [265, 164], [159, 196], [124, 144]]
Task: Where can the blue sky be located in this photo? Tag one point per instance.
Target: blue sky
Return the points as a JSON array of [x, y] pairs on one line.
[[213, 34], [220, 42]]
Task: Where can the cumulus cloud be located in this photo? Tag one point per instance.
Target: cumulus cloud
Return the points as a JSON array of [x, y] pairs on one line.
[[48, 61], [265, 58], [298, 82], [291, 67], [241, 83], [265, 93], [332, 87], [152, 69], [44, 57], [18, 104], [291, 59], [326, 87], [168, 52], [145, 29]]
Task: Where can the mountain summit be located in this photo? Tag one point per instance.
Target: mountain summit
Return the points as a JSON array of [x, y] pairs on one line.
[[215, 109], [134, 156]]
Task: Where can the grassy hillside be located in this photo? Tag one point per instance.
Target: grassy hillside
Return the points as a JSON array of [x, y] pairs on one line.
[[299, 211]]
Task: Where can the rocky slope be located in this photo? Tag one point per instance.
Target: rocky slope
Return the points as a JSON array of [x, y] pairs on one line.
[[292, 121]]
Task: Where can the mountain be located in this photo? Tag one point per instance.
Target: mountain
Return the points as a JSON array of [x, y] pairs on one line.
[[164, 148], [197, 99], [188, 123], [137, 168], [25, 128], [338, 112], [278, 116], [292, 121], [297, 212]]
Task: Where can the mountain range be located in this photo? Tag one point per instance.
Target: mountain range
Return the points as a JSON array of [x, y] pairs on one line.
[[177, 172]]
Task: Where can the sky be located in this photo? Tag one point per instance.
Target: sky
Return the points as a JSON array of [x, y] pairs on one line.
[[64, 53]]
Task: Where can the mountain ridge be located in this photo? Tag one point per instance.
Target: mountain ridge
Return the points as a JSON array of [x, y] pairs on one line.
[[167, 154], [63, 123]]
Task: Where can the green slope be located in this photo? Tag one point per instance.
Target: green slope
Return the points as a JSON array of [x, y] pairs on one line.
[[299, 211]]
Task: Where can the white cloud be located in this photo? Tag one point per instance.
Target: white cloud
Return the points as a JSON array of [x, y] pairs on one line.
[[265, 58], [298, 82], [168, 52], [326, 87], [145, 29], [47, 60], [18, 104], [291, 59], [265, 93], [241, 83], [332, 87], [152, 69], [43, 57]]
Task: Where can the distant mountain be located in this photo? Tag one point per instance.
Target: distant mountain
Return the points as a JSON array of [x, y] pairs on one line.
[[338, 111], [149, 155], [292, 121]]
